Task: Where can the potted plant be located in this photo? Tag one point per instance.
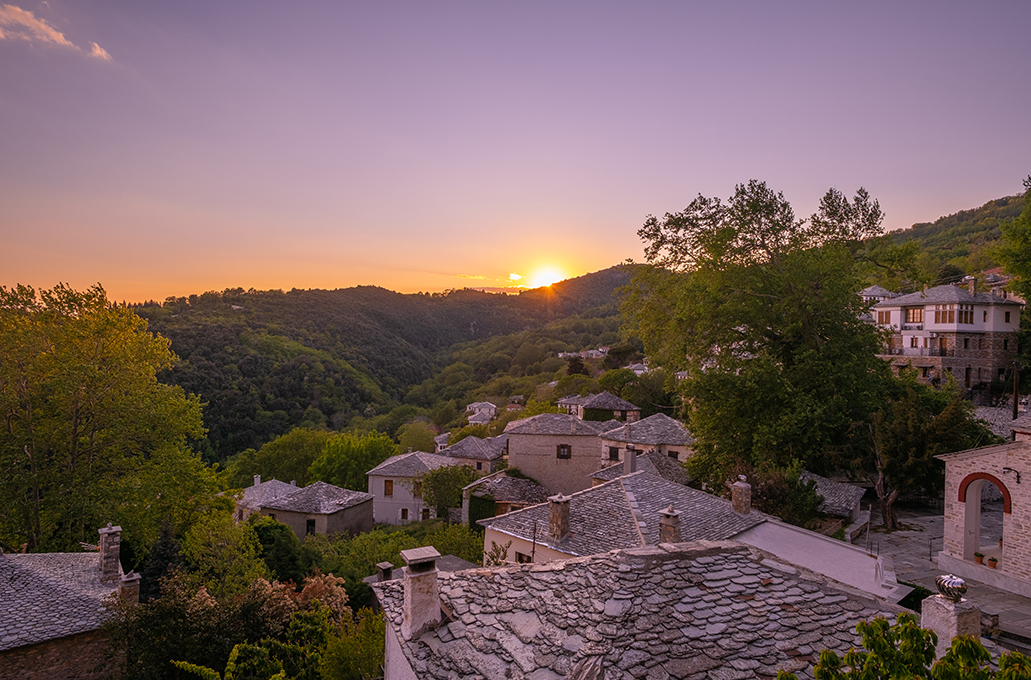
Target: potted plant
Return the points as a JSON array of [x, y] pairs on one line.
[[992, 562], [979, 558]]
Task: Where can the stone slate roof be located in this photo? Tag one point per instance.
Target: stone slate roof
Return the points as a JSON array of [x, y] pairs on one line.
[[838, 499], [474, 448], [624, 513], [259, 494], [1000, 419], [559, 423], [652, 462], [696, 610], [411, 464], [944, 295], [319, 498], [512, 490], [1021, 424], [652, 431], [608, 401], [872, 291], [44, 596]]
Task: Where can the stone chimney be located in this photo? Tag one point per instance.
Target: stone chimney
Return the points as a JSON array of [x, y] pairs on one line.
[[558, 518], [972, 285], [129, 588], [110, 541], [293, 482], [669, 526], [741, 496], [948, 614], [630, 460], [257, 480], [385, 570], [421, 610]]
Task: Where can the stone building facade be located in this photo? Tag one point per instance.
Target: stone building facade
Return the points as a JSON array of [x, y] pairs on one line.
[[558, 450], [321, 508], [1008, 467]]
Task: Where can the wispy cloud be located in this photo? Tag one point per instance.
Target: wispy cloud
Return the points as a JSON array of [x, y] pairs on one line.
[[470, 276], [19, 24]]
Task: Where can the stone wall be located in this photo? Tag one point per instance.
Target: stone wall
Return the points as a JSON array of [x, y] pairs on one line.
[[76, 657], [536, 457]]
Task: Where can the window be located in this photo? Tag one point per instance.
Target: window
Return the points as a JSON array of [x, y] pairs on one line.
[[272, 515], [913, 341], [522, 558], [613, 453], [425, 513], [1007, 317], [924, 370], [966, 314], [884, 318], [309, 527], [985, 317], [674, 455], [966, 343], [479, 466], [914, 314], [564, 451], [945, 314], [404, 513], [1005, 344], [388, 487], [417, 489]]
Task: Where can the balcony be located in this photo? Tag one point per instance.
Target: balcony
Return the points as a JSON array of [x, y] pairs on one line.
[[912, 327], [920, 352]]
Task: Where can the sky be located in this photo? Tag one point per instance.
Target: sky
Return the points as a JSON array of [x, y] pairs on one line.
[[164, 149]]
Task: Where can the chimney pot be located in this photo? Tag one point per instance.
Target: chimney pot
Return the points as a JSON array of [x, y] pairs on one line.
[[630, 460], [293, 482], [558, 518], [948, 615], [257, 480], [110, 542], [386, 569], [421, 609], [741, 496], [669, 526], [129, 587]]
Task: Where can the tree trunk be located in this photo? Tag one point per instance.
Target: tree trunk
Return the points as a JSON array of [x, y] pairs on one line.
[[886, 502]]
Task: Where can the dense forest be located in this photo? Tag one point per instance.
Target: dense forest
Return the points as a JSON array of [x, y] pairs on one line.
[[264, 362]]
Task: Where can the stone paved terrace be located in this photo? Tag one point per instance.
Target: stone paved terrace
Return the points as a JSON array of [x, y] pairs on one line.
[[909, 551]]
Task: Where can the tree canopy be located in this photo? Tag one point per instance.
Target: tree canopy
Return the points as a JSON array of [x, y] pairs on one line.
[[347, 457]]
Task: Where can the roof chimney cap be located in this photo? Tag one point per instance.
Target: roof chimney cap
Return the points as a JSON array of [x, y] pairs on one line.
[[415, 557]]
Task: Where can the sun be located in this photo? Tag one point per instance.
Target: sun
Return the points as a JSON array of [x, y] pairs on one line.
[[546, 276]]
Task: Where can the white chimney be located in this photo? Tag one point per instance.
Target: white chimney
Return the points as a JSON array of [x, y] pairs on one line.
[[421, 609]]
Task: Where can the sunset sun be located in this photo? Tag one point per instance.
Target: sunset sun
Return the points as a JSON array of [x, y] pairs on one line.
[[546, 276]]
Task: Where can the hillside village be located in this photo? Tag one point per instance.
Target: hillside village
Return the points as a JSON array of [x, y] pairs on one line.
[[588, 548]]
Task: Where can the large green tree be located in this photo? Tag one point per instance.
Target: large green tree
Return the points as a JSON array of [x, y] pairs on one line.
[[347, 457], [286, 458], [760, 309], [81, 415], [1015, 251]]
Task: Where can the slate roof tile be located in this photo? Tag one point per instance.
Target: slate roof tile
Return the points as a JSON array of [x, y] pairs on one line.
[[319, 498], [255, 496], [559, 423], [838, 499], [651, 431], [411, 464], [652, 462], [945, 295], [474, 448]]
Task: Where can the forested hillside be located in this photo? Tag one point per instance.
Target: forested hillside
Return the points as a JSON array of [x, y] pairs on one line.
[[267, 361]]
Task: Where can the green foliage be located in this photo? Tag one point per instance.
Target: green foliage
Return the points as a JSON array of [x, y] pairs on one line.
[[780, 491], [285, 458], [575, 384], [416, 436], [615, 381], [906, 651], [1014, 251], [497, 555], [477, 430], [442, 488], [83, 414], [760, 309], [280, 548], [458, 540], [575, 366], [356, 653], [223, 556], [347, 457]]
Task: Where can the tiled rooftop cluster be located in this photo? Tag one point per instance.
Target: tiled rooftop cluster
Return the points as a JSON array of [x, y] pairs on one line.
[[474, 448], [50, 595], [263, 492], [838, 498], [946, 294], [652, 462], [318, 498], [560, 423], [652, 431], [411, 464], [512, 490], [625, 513], [703, 610]]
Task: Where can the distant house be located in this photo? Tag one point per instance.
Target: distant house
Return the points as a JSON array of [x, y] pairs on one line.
[[659, 432], [440, 441], [481, 412], [322, 508], [558, 450], [483, 454], [396, 486], [504, 492], [638, 369], [52, 606], [621, 409], [839, 499], [261, 492]]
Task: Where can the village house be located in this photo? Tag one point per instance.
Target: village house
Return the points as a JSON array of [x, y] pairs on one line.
[[951, 330], [396, 486], [639, 509], [480, 412], [52, 606], [686, 610], [839, 500], [499, 493], [485, 455], [652, 462], [558, 450], [659, 432], [322, 508], [253, 497]]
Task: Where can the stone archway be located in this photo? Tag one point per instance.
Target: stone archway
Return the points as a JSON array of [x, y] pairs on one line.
[[970, 495]]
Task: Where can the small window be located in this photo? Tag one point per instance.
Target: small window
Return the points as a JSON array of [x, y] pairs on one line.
[[1005, 344], [914, 314], [479, 466], [271, 515], [613, 453], [388, 487], [425, 513], [884, 318], [673, 455], [563, 451], [966, 343], [522, 558], [985, 317], [913, 341], [1007, 317], [404, 513], [417, 489], [309, 527], [924, 371]]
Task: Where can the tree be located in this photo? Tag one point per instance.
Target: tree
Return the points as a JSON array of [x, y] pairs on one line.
[[417, 436], [280, 548], [760, 309], [575, 366], [906, 651], [82, 412], [442, 488], [1015, 251], [347, 457], [616, 380], [222, 555], [287, 457]]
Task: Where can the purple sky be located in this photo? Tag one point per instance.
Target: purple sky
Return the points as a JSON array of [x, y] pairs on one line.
[[172, 148]]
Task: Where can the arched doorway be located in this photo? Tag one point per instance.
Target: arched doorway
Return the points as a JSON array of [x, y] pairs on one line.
[[970, 492]]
